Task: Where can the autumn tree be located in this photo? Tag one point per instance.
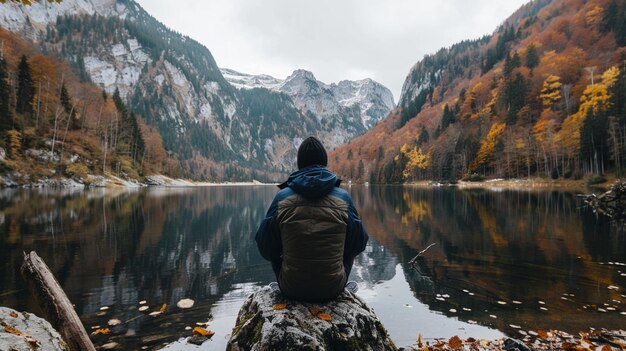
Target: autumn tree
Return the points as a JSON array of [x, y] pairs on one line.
[[551, 92], [415, 160], [25, 88], [26, 2], [486, 154], [6, 120]]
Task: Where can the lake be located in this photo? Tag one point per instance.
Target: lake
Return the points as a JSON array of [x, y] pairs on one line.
[[500, 259]]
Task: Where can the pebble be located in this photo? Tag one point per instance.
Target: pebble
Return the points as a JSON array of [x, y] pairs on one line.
[[601, 310], [440, 299], [143, 308], [143, 302], [533, 333], [610, 308], [113, 322], [452, 310], [109, 346], [104, 308], [613, 287], [543, 308], [515, 326], [471, 294], [517, 302], [541, 302], [185, 303], [501, 303], [467, 309], [623, 313], [493, 316]]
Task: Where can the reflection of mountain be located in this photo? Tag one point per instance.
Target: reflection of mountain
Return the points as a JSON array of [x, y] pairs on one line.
[[374, 265], [524, 246], [117, 249]]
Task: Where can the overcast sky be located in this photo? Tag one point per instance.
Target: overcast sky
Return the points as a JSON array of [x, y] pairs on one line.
[[335, 39]]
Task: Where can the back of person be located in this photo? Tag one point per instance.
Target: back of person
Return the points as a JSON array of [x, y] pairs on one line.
[[312, 232]]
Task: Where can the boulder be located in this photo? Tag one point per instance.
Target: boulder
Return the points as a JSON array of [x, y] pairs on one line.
[[23, 331], [268, 321]]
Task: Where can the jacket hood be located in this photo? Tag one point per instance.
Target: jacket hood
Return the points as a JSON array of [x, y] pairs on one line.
[[312, 182]]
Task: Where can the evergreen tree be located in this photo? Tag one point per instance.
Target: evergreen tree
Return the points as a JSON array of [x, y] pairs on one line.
[[25, 88], [620, 28], [68, 107], [447, 119], [610, 20], [6, 121], [532, 56]]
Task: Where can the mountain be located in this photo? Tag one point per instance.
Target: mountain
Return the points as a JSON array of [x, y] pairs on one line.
[[213, 129], [346, 109], [544, 95]]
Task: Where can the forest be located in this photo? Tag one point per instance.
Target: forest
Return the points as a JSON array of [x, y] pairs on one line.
[[544, 96], [52, 124]]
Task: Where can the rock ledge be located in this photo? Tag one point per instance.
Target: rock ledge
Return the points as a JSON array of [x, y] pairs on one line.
[[268, 321]]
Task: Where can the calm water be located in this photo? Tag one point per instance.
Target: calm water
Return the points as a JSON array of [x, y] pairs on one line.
[[530, 259]]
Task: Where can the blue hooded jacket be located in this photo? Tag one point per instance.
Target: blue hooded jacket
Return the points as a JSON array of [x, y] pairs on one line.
[[311, 231]]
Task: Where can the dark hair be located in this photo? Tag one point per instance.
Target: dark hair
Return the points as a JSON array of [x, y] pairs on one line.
[[312, 152]]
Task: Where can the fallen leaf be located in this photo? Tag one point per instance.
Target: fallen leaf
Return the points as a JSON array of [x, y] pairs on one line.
[[280, 306], [470, 339], [103, 331], [542, 334], [420, 340], [13, 314], [455, 343], [314, 311], [162, 309], [324, 316], [606, 348], [185, 303], [9, 329], [202, 332]]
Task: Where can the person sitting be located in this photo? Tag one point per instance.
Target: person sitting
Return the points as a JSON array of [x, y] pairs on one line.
[[312, 231]]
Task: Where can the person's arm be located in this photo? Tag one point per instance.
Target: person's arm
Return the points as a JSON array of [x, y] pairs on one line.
[[268, 236], [356, 236]]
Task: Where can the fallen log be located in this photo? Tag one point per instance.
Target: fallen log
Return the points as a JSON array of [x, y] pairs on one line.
[[57, 308]]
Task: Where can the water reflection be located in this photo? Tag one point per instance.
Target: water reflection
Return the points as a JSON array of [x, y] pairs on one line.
[[117, 247], [501, 253]]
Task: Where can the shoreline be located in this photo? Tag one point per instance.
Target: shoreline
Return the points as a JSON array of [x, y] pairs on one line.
[[522, 184], [159, 180]]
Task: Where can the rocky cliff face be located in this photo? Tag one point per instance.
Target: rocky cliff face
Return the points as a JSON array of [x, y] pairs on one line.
[[345, 109], [173, 83]]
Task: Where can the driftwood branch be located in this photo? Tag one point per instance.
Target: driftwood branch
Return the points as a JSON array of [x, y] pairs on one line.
[[611, 203], [421, 252], [57, 308]]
